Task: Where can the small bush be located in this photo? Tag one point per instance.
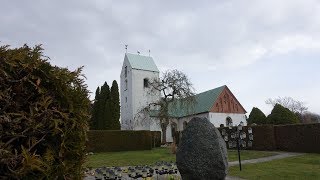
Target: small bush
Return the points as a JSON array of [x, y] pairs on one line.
[[44, 111]]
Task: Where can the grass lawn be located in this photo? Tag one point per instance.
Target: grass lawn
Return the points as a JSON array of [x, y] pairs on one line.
[[299, 167], [132, 158]]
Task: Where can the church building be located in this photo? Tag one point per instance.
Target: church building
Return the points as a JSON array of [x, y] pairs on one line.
[[218, 105]]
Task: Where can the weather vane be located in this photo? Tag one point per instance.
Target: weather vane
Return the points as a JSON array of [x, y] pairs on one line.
[[149, 52], [138, 52], [126, 47]]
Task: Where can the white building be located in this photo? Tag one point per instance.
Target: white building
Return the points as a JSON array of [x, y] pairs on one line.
[[136, 72], [218, 105]]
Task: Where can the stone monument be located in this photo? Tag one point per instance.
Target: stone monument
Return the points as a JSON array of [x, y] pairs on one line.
[[202, 153]]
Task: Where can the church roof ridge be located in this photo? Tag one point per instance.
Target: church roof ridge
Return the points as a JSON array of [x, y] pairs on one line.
[[141, 62], [203, 103]]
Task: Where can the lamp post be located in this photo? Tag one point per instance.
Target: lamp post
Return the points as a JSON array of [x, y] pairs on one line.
[[237, 138]]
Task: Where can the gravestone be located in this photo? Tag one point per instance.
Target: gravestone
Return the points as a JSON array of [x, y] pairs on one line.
[[202, 153]]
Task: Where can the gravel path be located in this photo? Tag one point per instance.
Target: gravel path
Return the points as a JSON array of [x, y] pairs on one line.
[[280, 155]]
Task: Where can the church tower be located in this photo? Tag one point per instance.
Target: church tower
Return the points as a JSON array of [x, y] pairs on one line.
[[137, 71]]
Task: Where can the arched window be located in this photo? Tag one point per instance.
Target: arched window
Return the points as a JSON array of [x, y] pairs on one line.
[[145, 82], [125, 84], [229, 121]]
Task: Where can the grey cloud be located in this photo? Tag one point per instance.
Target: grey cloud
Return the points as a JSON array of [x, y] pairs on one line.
[[198, 37]]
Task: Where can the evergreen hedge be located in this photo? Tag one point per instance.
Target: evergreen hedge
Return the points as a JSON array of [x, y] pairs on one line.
[[298, 137], [44, 112], [256, 116], [156, 138], [116, 140], [282, 115]]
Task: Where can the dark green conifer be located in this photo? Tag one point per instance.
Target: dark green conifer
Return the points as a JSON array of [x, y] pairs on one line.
[[115, 106], [94, 117], [282, 115], [256, 116]]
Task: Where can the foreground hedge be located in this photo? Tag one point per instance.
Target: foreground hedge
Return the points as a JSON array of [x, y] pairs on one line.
[[44, 111], [108, 140]]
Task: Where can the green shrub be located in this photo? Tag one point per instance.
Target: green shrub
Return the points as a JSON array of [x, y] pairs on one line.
[[116, 140], [44, 111], [256, 116], [282, 115]]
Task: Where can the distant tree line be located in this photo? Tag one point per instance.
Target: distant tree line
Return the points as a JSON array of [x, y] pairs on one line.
[[285, 111], [106, 108]]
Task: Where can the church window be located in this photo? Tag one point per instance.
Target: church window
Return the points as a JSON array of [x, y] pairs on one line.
[[126, 99], [126, 84], [145, 82], [125, 71]]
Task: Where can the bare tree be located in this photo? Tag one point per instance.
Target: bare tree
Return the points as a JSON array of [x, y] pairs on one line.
[[288, 102], [309, 117], [176, 91]]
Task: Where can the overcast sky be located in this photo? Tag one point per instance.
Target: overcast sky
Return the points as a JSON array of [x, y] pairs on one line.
[[259, 49]]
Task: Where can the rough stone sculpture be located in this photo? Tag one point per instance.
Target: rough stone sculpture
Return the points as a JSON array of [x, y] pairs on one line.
[[202, 153]]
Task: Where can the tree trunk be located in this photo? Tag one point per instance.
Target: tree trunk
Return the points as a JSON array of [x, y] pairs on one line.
[[164, 133]]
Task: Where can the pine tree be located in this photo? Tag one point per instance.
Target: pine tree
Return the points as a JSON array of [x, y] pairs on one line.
[[104, 110], [282, 115], [107, 110], [115, 106], [256, 116], [94, 118]]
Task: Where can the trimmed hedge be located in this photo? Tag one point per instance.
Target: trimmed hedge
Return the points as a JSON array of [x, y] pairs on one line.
[[298, 137], [263, 137], [294, 138], [156, 138], [117, 140]]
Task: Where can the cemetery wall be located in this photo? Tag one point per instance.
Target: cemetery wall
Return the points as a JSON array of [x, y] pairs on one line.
[[106, 140]]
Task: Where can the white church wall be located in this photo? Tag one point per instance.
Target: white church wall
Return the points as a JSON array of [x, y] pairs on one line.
[[134, 96], [215, 118], [141, 96], [155, 126], [220, 118], [188, 118], [126, 97]]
